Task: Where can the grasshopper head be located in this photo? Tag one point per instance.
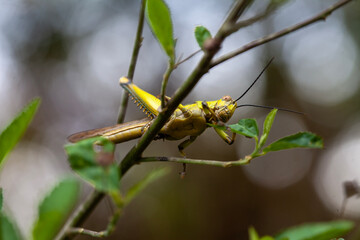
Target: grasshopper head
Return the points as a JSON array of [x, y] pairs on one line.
[[225, 108]]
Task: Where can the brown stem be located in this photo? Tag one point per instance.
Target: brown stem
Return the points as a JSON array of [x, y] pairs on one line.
[[135, 54]]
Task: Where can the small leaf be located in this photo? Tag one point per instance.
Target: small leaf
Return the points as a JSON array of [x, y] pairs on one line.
[[159, 19], [13, 132], [96, 167], [253, 235], [298, 140], [267, 126], [55, 208], [8, 230], [201, 35], [246, 127], [138, 187], [317, 231]]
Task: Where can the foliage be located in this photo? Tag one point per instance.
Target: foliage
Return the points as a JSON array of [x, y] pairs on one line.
[[13, 132], [54, 209], [8, 229], [249, 128], [159, 19], [93, 160], [201, 35]]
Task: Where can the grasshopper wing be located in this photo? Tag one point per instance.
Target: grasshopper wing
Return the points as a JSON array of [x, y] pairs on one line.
[[117, 133]]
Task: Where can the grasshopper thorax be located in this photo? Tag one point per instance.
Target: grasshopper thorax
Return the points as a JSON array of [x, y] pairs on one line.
[[225, 108]]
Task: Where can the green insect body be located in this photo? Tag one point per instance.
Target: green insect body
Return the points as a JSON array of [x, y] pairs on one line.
[[187, 120]]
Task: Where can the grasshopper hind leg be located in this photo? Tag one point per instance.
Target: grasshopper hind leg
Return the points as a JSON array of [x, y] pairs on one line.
[[185, 144], [181, 148]]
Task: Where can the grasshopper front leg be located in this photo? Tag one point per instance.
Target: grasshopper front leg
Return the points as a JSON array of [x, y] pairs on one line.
[[229, 140]]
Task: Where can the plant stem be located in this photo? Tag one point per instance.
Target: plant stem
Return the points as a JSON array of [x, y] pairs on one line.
[[321, 16], [135, 54], [187, 58], [166, 76], [269, 10], [214, 163], [109, 229]]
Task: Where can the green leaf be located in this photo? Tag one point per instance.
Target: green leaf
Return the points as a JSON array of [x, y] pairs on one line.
[[13, 132], [55, 208], [317, 231], [246, 127], [138, 187], [159, 19], [201, 35], [298, 140], [8, 230], [253, 235], [267, 126], [96, 167]]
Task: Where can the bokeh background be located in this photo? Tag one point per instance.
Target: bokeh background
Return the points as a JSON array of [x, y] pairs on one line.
[[72, 53]]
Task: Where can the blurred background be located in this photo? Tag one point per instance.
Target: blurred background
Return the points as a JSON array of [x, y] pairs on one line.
[[72, 53]]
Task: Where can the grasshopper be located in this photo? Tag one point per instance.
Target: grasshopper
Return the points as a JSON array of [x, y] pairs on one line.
[[187, 120]]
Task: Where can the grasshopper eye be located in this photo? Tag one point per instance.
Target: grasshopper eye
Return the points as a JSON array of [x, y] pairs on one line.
[[227, 98]]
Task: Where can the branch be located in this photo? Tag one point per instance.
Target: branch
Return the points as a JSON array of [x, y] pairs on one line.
[[214, 163], [135, 54], [186, 59], [80, 214], [109, 229], [170, 68], [244, 23], [321, 16]]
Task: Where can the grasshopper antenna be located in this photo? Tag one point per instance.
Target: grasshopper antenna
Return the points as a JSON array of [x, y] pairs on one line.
[[269, 107], [257, 78]]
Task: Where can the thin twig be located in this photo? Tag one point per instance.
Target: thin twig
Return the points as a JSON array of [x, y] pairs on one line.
[[110, 228], [214, 163], [187, 58], [321, 16], [80, 214], [247, 22], [135, 54], [166, 76]]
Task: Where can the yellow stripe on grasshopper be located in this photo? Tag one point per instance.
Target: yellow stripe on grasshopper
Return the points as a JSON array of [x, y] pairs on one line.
[[146, 101]]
